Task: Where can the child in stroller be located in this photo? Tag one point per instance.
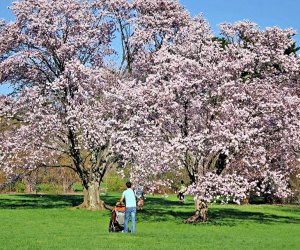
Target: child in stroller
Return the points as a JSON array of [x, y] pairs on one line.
[[116, 223]]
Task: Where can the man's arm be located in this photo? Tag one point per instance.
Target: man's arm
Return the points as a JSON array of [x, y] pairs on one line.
[[122, 199]]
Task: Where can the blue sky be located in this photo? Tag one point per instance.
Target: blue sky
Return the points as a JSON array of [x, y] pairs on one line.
[[266, 13]]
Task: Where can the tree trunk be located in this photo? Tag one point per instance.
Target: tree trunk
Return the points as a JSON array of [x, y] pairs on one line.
[[200, 214], [29, 185], [245, 201], [269, 199], [67, 186], [92, 197]]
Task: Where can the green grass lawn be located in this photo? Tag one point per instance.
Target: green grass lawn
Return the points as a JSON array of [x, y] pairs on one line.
[[51, 222]]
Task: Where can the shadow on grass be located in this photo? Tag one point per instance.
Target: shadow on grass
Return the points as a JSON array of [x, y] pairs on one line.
[[295, 209], [158, 209], [37, 201], [34, 201], [150, 201], [233, 217], [161, 215]]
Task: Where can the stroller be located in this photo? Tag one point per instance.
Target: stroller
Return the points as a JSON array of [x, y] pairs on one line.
[[116, 223]]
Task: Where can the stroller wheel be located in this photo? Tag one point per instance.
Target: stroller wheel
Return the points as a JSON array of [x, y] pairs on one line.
[[110, 227]]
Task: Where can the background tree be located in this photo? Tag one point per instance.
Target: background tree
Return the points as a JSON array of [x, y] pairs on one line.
[[225, 110], [228, 114]]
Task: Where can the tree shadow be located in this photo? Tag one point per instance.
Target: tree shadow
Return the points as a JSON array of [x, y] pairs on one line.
[[157, 201], [295, 209], [233, 217], [151, 201], [161, 215], [110, 199], [38, 201], [158, 209]]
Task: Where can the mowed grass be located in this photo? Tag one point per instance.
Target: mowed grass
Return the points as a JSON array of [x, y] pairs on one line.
[[52, 222]]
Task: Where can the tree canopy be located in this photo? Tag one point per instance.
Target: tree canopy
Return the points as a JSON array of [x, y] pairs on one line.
[[225, 109]]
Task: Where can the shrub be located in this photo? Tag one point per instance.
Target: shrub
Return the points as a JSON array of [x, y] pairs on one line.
[[20, 187], [77, 187], [114, 183], [49, 188]]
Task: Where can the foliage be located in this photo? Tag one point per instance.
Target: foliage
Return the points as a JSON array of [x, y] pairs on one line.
[[20, 187], [77, 187], [223, 109], [49, 188], [53, 56], [114, 183], [234, 133]]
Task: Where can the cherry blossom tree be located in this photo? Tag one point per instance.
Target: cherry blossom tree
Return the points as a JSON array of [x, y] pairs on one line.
[[226, 112], [143, 27], [53, 55]]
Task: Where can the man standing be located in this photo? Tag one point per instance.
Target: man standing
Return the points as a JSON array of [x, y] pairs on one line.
[[130, 201]]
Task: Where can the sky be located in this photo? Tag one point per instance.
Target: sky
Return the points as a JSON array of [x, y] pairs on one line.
[[266, 13]]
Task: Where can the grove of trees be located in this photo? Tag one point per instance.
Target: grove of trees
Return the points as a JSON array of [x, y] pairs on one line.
[[174, 97]]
